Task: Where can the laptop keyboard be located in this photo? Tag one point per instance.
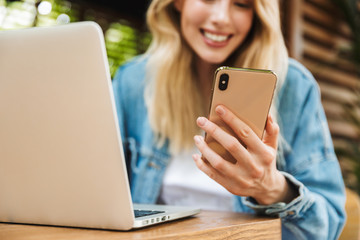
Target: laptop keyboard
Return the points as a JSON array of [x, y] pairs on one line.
[[142, 213]]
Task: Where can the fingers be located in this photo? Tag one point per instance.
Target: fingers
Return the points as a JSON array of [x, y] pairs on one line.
[[242, 130], [224, 167], [250, 174], [213, 158], [230, 143], [234, 183], [205, 167], [271, 133]]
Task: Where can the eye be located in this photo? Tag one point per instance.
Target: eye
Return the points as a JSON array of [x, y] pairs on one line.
[[243, 4]]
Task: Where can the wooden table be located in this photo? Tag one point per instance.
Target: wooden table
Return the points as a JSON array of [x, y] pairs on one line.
[[206, 225]]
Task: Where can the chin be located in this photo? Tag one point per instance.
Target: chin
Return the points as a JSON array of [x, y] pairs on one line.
[[214, 59]]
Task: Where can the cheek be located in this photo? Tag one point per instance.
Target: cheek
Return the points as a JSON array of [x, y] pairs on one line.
[[193, 16], [189, 29], [244, 23]]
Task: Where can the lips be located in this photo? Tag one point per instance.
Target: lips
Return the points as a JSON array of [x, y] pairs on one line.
[[215, 39]]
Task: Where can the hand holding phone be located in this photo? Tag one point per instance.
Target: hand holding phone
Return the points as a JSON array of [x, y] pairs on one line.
[[248, 94], [245, 96]]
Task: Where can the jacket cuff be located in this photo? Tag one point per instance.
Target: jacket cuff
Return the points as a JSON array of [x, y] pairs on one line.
[[294, 209]]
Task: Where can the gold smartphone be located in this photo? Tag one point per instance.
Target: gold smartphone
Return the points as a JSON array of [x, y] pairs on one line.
[[248, 94]]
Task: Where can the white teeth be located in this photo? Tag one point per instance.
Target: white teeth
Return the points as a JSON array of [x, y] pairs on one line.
[[215, 38]]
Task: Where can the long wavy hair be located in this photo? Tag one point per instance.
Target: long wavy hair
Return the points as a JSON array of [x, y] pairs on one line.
[[172, 95]]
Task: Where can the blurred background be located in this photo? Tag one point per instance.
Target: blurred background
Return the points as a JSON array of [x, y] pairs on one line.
[[324, 35], [122, 21]]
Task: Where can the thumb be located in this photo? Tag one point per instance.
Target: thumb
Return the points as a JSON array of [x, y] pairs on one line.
[[271, 133]]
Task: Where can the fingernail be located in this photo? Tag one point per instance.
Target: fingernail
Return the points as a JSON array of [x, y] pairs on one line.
[[197, 139], [271, 119], [201, 121], [220, 110]]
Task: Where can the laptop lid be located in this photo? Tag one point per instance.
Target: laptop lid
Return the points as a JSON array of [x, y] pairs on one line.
[[61, 157]]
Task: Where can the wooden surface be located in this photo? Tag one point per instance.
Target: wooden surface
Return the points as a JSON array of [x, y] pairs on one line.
[[206, 225], [351, 230]]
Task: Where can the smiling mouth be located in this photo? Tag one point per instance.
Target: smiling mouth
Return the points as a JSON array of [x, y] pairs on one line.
[[215, 37]]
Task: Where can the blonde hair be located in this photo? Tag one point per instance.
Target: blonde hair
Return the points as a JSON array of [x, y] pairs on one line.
[[172, 95]]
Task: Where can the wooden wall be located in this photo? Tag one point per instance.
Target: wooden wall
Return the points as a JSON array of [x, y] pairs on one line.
[[317, 36]]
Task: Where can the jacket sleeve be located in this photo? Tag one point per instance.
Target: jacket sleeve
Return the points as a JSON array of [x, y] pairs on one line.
[[120, 97], [119, 102], [310, 166]]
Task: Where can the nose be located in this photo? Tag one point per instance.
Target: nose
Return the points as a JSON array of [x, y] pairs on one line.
[[221, 12]]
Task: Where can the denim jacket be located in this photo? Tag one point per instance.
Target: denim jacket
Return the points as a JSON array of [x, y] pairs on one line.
[[306, 156]]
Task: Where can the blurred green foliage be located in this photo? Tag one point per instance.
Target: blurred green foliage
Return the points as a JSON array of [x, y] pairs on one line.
[[123, 41], [351, 12]]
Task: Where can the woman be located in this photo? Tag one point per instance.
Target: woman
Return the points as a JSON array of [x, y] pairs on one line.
[[292, 172]]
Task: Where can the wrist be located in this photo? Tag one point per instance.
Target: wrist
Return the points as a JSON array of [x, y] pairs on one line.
[[281, 190]]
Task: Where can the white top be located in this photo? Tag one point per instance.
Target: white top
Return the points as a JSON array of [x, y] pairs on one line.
[[185, 185]]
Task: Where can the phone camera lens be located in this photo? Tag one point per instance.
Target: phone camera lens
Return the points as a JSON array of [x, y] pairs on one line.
[[223, 83]]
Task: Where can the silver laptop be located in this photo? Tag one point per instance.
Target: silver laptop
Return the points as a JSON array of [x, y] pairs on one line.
[[61, 156]]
